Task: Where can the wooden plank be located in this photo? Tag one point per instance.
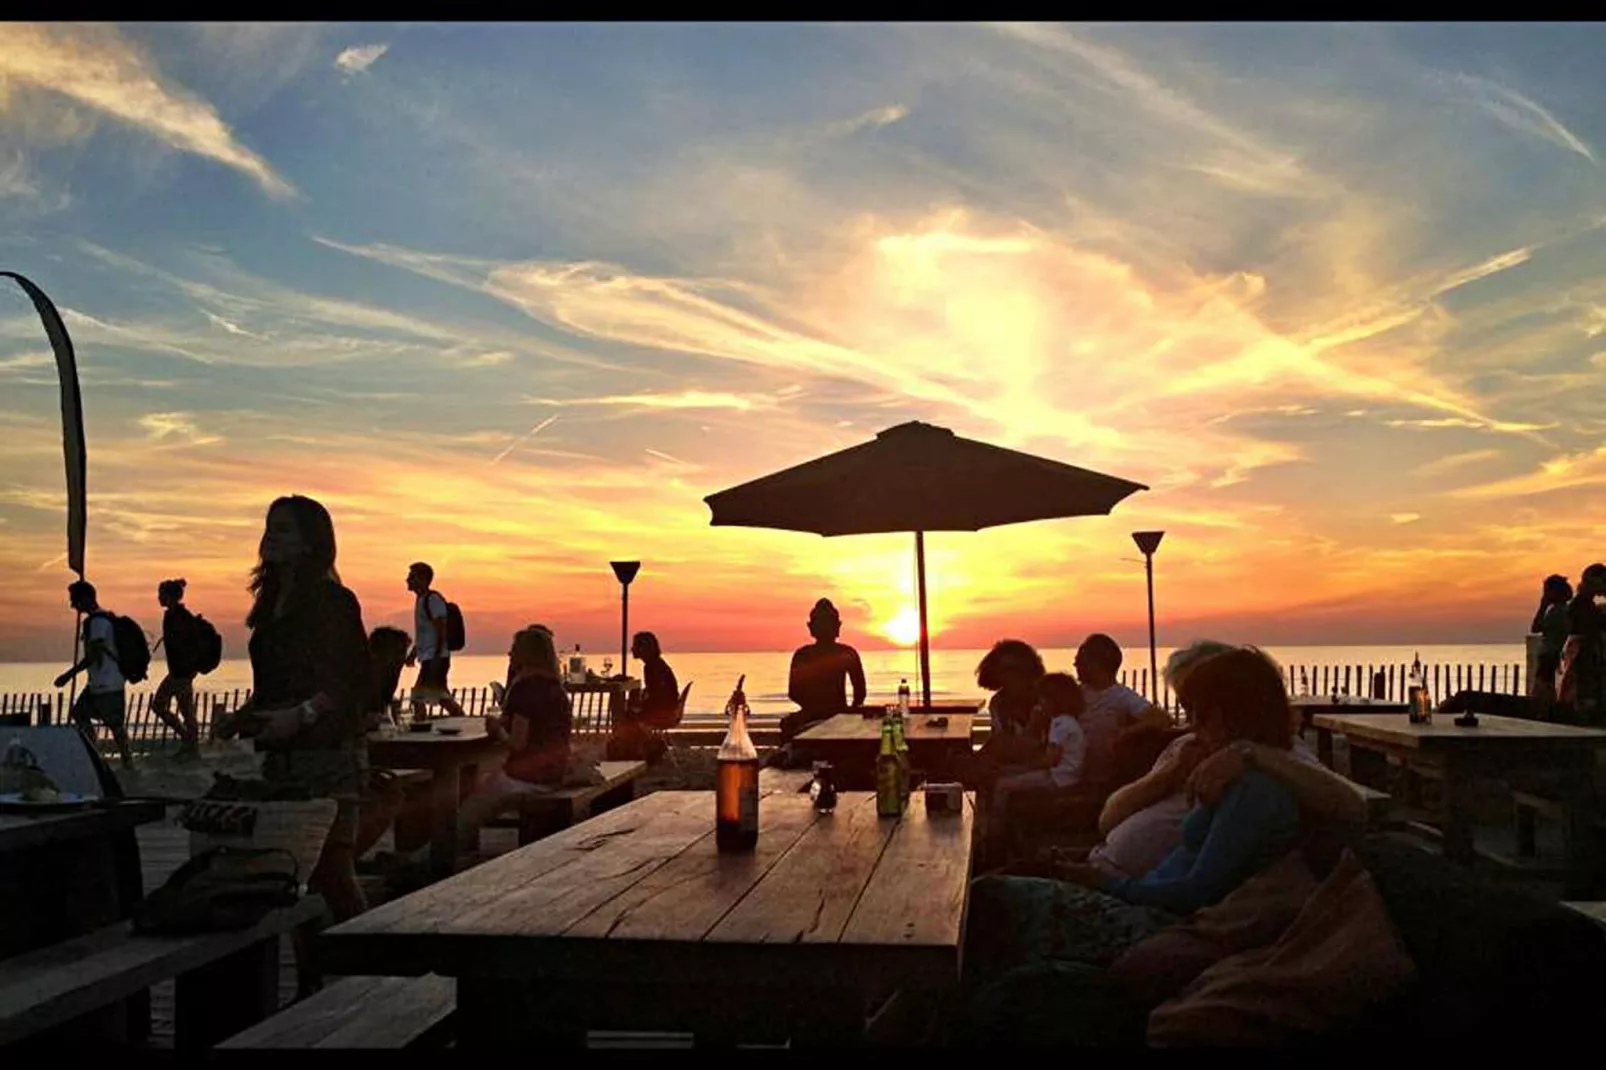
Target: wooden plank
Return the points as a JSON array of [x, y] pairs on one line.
[[686, 898], [919, 892], [357, 1012], [1595, 911], [484, 886], [809, 895], [1393, 730], [564, 895], [43, 988], [20, 832], [853, 727]]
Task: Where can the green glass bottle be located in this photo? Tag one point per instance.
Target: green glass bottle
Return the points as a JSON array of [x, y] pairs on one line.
[[900, 750], [888, 802]]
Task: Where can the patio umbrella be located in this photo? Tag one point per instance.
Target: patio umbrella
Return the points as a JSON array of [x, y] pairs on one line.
[[917, 477]]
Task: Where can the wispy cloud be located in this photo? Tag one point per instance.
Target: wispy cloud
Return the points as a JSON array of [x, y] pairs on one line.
[[522, 439], [682, 399], [182, 426], [359, 58], [96, 67], [1520, 113], [1441, 466], [1405, 518]]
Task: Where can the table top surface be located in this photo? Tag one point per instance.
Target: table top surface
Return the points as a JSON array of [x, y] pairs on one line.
[[469, 730], [845, 727], [1443, 731], [641, 891], [20, 831]]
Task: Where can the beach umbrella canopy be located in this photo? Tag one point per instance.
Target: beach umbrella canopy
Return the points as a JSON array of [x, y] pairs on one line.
[[917, 477]]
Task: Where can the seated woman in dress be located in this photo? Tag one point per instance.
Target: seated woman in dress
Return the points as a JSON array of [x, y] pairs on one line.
[[1036, 948]]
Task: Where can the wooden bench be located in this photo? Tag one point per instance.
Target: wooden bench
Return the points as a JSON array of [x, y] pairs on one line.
[[360, 1012], [225, 981], [1381, 811], [553, 811]]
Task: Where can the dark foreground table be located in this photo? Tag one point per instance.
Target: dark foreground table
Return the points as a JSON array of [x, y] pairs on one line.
[[633, 920]]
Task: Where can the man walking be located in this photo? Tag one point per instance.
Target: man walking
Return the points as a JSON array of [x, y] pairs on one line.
[[102, 697], [430, 643]]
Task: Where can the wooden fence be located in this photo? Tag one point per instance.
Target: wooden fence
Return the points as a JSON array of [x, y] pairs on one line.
[[1387, 682]]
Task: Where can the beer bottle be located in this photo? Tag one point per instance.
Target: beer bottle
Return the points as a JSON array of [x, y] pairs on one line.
[[903, 698], [1418, 702], [736, 784], [900, 749], [887, 795]]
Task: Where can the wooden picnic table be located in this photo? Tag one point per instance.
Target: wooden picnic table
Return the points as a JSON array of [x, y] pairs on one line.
[[634, 920], [1497, 747], [850, 741], [448, 757]]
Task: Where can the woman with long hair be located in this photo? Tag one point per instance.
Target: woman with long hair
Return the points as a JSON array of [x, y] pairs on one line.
[[310, 681], [1551, 624], [535, 724]]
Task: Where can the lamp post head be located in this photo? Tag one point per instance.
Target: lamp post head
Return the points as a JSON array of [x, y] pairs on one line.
[[1148, 541], [625, 570]]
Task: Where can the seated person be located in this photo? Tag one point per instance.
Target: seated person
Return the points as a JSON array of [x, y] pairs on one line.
[[1011, 670], [1142, 822], [649, 711], [1058, 765], [657, 704], [1113, 709], [1027, 933], [821, 673], [535, 723]]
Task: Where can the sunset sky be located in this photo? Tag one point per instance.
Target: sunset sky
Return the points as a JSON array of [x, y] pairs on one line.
[[513, 299]]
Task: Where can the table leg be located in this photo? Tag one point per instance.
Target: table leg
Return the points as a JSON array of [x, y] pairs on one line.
[[216, 1001], [1324, 746], [1583, 845], [445, 790], [1459, 809]]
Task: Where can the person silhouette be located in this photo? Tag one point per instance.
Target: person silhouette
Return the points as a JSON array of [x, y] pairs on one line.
[[821, 673]]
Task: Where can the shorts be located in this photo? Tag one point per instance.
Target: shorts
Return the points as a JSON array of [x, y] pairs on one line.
[[103, 706], [432, 675]]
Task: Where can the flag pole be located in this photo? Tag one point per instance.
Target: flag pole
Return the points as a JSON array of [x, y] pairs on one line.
[[925, 635]]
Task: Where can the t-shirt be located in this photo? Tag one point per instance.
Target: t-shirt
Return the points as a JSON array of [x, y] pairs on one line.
[[1141, 842], [661, 699], [1108, 714], [543, 703], [430, 646], [105, 674], [1553, 628], [1066, 734]]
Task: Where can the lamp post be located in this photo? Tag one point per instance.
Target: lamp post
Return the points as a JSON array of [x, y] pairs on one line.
[[1148, 542], [625, 571]]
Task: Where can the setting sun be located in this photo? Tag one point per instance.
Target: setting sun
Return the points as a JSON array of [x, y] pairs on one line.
[[904, 627]]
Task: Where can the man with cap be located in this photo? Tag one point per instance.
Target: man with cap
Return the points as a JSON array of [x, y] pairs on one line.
[[821, 672]]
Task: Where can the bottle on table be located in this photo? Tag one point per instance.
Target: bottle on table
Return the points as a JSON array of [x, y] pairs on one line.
[[736, 782], [903, 698], [823, 791], [1419, 702], [888, 798], [577, 666], [900, 750]]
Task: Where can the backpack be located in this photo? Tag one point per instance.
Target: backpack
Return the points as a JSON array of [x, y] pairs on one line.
[[455, 639], [133, 653], [224, 889], [206, 649]]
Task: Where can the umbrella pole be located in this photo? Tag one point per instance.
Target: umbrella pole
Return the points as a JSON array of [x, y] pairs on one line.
[[925, 637]]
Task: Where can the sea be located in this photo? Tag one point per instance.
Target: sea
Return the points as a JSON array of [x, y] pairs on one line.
[[953, 672]]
